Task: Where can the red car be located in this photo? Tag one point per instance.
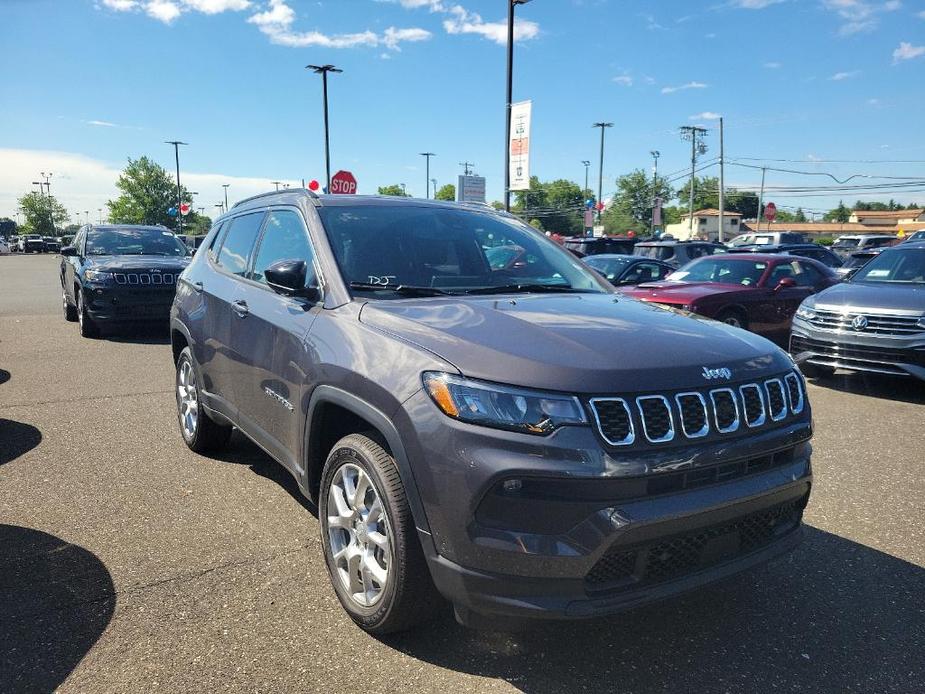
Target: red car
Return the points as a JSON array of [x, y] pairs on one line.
[[756, 291]]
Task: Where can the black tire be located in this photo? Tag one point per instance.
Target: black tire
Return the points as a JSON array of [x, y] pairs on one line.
[[70, 311], [88, 328], [733, 317], [816, 370], [205, 434], [408, 596]]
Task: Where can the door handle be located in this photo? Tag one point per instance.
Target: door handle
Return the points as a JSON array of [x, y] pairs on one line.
[[240, 308]]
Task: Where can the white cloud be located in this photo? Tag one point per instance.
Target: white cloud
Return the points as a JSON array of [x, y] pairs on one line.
[[101, 123], [83, 183], [840, 76], [624, 80], [162, 10], [772, 65], [859, 16], [120, 5], [167, 11], [907, 51], [873, 102], [217, 6], [392, 36], [689, 85], [464, 22], [921, 15], [706, 115], [754, 4]]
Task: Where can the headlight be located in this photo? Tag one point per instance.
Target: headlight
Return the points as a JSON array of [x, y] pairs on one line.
[[504, 407], [97, 276], [806, 312]]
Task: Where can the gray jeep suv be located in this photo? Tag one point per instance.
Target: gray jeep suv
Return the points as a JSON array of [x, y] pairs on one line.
[[520, 440]]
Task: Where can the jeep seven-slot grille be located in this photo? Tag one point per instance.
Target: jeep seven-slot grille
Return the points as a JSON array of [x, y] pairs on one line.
[[693, 414], [145, 278], [672, 558]]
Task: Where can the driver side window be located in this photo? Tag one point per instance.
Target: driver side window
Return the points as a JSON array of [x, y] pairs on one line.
[[284, 238]]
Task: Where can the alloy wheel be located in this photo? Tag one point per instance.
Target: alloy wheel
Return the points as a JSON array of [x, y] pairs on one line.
[[187, 399], [359, 538]]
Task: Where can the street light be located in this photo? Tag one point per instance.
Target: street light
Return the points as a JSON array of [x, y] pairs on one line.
[[587, 164], [176, 152], [510, 90], [434, 181], [100, 210], [600, 175], [323, 70], [427, 156], [277, 184], [221, 207], [225, 186], [655, 155]]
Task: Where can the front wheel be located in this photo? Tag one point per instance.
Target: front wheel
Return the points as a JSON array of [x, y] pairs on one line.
[[734, 318], [373, 555], [87, 327], [70, 311]]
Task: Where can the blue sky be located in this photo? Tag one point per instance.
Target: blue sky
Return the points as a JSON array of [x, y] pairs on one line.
[[88, 83]]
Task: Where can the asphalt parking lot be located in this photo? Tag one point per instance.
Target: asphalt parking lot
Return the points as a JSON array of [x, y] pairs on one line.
[[128, 563]]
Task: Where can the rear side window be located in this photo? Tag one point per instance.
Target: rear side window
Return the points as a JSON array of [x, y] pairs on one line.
[[284, 238], [238, 243]]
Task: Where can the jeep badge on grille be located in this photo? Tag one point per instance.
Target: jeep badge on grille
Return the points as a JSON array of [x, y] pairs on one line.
[[712, 374]]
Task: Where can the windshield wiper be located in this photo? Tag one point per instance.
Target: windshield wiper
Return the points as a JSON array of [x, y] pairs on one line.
[[404, 289], [511, 288]]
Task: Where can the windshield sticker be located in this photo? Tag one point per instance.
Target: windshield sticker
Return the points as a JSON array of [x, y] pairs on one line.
[[384, 280], [878, 273]]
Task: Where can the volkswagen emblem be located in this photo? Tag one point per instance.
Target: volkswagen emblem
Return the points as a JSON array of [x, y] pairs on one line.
[[859, 323]]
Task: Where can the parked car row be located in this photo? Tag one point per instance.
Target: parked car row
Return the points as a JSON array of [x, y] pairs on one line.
[[33, 243]]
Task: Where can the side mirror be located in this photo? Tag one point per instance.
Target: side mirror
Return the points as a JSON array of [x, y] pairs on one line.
[[69, 251], [287, 277], [785, 283]]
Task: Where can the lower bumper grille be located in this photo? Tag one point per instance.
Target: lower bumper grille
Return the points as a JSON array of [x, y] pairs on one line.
[[857, 355], [677, 556]]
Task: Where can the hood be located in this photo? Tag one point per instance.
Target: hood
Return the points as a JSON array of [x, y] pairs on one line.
[[582, 343], [138, 263], [680, 292], [872, 297]]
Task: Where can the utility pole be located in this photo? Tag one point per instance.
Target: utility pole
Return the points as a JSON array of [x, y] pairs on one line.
[[466, 170], [323, 70], [225, 186], [510, 94], [695, 134], [427, 156], [722, 185], [51, 214], [761, 199], [587, 164], [600, 172], [176, 151], [100, 210], [655, 155]]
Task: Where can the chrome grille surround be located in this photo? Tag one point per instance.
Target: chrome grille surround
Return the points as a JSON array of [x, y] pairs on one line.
[[793, 381], [774, 385], [705, 429], [735, 404], [669, 434], [631, 435], [877, 323], [145, 278], [760, 419]]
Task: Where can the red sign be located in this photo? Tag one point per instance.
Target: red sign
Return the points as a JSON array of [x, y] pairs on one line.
[[770, 211], [184, 208], [343, 183]]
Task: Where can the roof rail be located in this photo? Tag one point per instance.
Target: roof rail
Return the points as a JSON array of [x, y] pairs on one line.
[[305, 191]]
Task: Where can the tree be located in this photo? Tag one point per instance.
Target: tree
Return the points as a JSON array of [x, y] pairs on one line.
[[394, 189], [557, 204], [706, 193], [745, 203], [43, 214], [7, 227], [148, 191], [784, 216], [497, 204], [799, 215], [198, 225], [447, 192], [839, 214], [634, 199]]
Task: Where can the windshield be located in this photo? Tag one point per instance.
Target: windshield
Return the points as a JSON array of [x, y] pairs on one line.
[[858, 260], [657, 252], [455, 250], [723, 270], [611, 268], [134, 242], [895, 267], [847, 243]]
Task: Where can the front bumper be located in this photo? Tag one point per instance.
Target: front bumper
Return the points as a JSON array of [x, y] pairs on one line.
[[589, 531], [106, 303], [883, 354]]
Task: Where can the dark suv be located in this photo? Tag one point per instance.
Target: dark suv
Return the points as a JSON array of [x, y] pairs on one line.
[[518, 439], [117, 274]]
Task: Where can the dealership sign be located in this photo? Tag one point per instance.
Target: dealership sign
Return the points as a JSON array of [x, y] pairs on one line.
[[471, 189], [519, 146]]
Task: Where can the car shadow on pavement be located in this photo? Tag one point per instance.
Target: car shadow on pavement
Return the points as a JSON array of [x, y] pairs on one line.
[[139, 335], [57, 599], [909, 390], [242, 451], [834, 616], [16, 438]]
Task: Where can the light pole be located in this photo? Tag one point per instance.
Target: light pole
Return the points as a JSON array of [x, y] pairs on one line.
[[225, 186], [100, 210], [402, 188], [655, 155], [221, 207], [600, 173], [587, 164], [323, 70], [202, 210], [427, 156], [176, 152], [510, 90], [51, 215], [276, 183], [434, 181]]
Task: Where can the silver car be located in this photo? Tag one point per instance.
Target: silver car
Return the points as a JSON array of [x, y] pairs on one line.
[[874, 322]]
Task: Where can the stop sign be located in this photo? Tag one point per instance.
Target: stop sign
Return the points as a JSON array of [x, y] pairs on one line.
[[770, 211], [343, 183]]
